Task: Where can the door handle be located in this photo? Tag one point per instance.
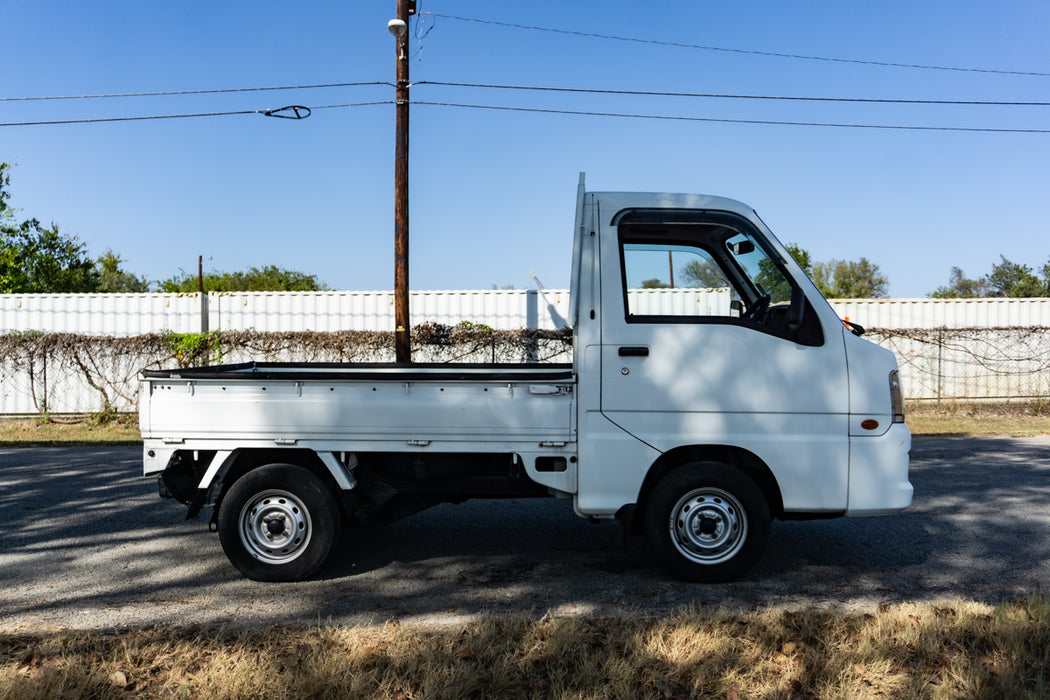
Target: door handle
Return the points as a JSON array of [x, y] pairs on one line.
[[634, 351]]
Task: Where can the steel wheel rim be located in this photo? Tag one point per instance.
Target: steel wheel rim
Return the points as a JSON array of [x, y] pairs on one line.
[[275, 526], [708, 526]]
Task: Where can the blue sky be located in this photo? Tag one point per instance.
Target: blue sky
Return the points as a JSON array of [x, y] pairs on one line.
[[492, 192]]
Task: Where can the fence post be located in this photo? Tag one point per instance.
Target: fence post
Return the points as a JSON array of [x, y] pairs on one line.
[[940, 361], [44, 383], [204, 312]]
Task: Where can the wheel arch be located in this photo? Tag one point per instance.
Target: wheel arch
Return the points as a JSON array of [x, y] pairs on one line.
[[739, 458], [247, 460]]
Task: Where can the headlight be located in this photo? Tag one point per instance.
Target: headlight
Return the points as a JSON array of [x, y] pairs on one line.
[[896, 397]]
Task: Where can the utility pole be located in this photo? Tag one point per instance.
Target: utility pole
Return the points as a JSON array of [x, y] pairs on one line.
[[399, 28]]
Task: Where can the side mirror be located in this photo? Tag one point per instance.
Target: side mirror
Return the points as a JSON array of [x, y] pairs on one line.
[[797, 309], [854, 328]]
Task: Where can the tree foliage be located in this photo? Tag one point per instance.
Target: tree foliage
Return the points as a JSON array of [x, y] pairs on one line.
[[270, 278], [655, 283], [39, 259], [113, 278], [703, 273], [849, 279], [1007, 279], [772, 280]]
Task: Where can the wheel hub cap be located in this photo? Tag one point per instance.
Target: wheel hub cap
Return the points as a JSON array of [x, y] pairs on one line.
[[275, 527], [708, 525]]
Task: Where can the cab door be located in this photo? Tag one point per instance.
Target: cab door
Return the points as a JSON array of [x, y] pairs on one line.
[[708, 340]]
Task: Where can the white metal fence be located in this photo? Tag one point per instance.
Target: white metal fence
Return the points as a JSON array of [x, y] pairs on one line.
[[947, 348], [134, 314]]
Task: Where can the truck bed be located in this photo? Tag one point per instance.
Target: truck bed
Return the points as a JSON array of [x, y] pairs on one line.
[[367, 407]]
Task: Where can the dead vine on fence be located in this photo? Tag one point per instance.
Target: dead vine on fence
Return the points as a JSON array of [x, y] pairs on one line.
[[987, 362], [110, 365]]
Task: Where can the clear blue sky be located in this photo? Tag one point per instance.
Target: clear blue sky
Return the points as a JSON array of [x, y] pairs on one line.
[[492, 193]]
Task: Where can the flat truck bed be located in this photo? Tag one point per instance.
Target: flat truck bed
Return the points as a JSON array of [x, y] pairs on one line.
[[523, 409]]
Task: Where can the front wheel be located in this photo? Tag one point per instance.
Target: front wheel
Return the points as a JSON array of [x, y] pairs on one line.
[[278, 523], [707, 522]]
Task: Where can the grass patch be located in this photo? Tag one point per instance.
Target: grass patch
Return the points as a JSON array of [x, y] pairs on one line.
[[958, 650], [102, 429], [1016, 419]]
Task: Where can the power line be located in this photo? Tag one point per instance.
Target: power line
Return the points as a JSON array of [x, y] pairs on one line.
[[735, 121], [772, 54], [266, 112], [190, 92], [649, 93], [766, 122]]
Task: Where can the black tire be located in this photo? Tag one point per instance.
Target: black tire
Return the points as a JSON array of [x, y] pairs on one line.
[[707, 522], [278, 523]]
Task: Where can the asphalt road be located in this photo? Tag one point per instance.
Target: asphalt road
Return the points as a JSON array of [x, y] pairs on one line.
[[86, 543]]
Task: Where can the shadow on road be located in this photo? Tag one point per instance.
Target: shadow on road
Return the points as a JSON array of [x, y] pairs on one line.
[[90, 544]]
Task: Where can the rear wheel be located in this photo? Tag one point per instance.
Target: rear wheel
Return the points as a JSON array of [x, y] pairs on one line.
[[278, 523], [707, 522]]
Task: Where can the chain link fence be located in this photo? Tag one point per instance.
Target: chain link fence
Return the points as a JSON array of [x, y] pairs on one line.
[[970, 364]]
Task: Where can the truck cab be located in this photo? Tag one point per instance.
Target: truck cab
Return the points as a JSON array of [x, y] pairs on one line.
[[741, 384]]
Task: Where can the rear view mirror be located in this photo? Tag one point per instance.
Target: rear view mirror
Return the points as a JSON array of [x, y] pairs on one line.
[[741, 247]]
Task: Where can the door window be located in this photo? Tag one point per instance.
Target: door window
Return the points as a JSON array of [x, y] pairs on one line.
[[707, 273]]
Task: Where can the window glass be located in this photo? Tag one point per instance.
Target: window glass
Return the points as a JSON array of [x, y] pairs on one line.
[[676, 280], [759, 268]]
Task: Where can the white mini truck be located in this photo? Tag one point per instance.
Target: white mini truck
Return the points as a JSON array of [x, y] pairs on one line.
[[696, 425]]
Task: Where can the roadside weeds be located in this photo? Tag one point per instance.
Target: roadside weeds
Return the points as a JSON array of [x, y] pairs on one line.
[[952, 650]]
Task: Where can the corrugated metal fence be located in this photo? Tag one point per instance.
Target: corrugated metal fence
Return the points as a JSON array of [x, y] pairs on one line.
[[134, 314], [947, 348]]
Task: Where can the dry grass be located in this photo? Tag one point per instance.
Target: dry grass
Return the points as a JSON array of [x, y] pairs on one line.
[[104, 429], [1016, 419], [960, 650]]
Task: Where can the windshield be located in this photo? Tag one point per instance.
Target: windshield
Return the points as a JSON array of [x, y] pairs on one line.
[[759, 268]]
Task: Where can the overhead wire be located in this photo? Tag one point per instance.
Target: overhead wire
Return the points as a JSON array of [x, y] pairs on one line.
[[646, 93], [95, 120], [192, 92], [768, 122], [752, 52], [650, 93]]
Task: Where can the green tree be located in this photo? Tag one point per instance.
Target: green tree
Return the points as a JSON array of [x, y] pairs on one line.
[[39, 259], [265, 279], [961, 287], [772, 280], [848, 279], [802, 257], [654, 283], [1007, 279], [703, 273], [1010, 279], [113, 278]]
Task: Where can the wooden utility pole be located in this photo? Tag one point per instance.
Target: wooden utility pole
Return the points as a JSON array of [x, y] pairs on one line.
[[402, 340]]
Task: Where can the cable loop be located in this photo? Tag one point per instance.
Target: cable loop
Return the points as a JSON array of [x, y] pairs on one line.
[[296, 112]]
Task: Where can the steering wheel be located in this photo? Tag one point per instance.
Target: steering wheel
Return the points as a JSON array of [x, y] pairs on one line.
[[757, 310]]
